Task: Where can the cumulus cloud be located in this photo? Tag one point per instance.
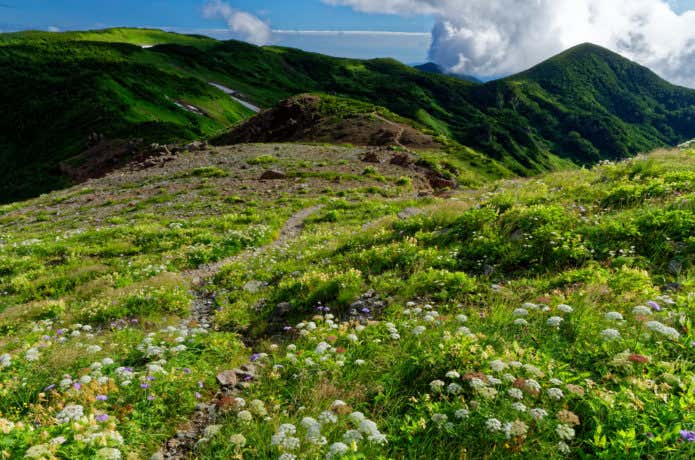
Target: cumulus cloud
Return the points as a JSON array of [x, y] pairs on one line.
[[493, 37], [244, 25]]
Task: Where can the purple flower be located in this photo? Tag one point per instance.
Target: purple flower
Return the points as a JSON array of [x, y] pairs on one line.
[[688, 435], [197, 395], [366, 311], [255, 356], [200, 384], [102, 397], [102, 418], [247, 378], [287, 328], [49, 387], [60, 332], [150, 397], [655, 306], [692, 344], [144, 386], [150, 377], [77, 385], [186, 370]]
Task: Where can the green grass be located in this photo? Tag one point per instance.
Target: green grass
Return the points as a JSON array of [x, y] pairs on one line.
[[471, 287], [549, 241]]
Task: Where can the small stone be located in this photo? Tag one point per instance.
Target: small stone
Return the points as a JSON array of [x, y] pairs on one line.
[[157, 456], [253, 286], [273, 174], [227, 378], [249, 368]]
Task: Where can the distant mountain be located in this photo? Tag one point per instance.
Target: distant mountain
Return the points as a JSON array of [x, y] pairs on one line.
[[58, 90], [431, 67]]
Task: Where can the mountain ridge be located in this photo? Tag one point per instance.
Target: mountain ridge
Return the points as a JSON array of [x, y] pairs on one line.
[[538, 120]]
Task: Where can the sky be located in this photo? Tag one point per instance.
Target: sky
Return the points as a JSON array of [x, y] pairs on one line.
[[478, 37]]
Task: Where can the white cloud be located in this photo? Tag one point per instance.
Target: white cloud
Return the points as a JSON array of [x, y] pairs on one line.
[[53, 29], [244, 25], [493, 37], [368, 33]]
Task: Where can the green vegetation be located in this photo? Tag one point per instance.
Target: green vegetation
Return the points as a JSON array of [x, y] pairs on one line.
[[549, 316], [583, 106], [56, 91]]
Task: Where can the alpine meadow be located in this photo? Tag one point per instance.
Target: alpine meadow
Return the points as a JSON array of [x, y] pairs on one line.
[[211, 249]]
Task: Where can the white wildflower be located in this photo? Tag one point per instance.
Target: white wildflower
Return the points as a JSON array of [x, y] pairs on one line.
[[521, 322], [245, 416], [565, 308], [337, 449], [493, 425], [555, 393], [642, 310], [70, 413], [453, 375], [614, 316], [554, 321], [454, 388], [439, 419], [32, 354], [538, 413], [498, 365], [565, 432], [518, 406], [656, 326], [610, 334], [437, 385], [462, 414], [563, 448], [419, 330]]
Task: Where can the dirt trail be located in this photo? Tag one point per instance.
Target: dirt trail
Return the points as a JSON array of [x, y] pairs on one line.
[[183, 444], [401, 129]]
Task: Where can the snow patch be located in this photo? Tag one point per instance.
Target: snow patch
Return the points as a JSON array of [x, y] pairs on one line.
[[235, 95]]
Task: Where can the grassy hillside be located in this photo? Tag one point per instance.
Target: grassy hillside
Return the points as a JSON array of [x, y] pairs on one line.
[[55, 93], [546, 317], [583, 106], [525, 121]]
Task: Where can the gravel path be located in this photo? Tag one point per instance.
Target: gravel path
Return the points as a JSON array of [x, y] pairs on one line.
[[231, 382]]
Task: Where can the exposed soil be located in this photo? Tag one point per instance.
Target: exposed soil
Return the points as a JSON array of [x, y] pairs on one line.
[[299, 119]]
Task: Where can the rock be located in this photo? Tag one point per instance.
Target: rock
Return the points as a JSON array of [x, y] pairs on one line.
[[197, 146], [282, 309], [253, 286], [402, 159], [273, 174], [409, 212], [244, 375], [249, 368], [157, 456], [438, 182], [227, 378], [371, 157]]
